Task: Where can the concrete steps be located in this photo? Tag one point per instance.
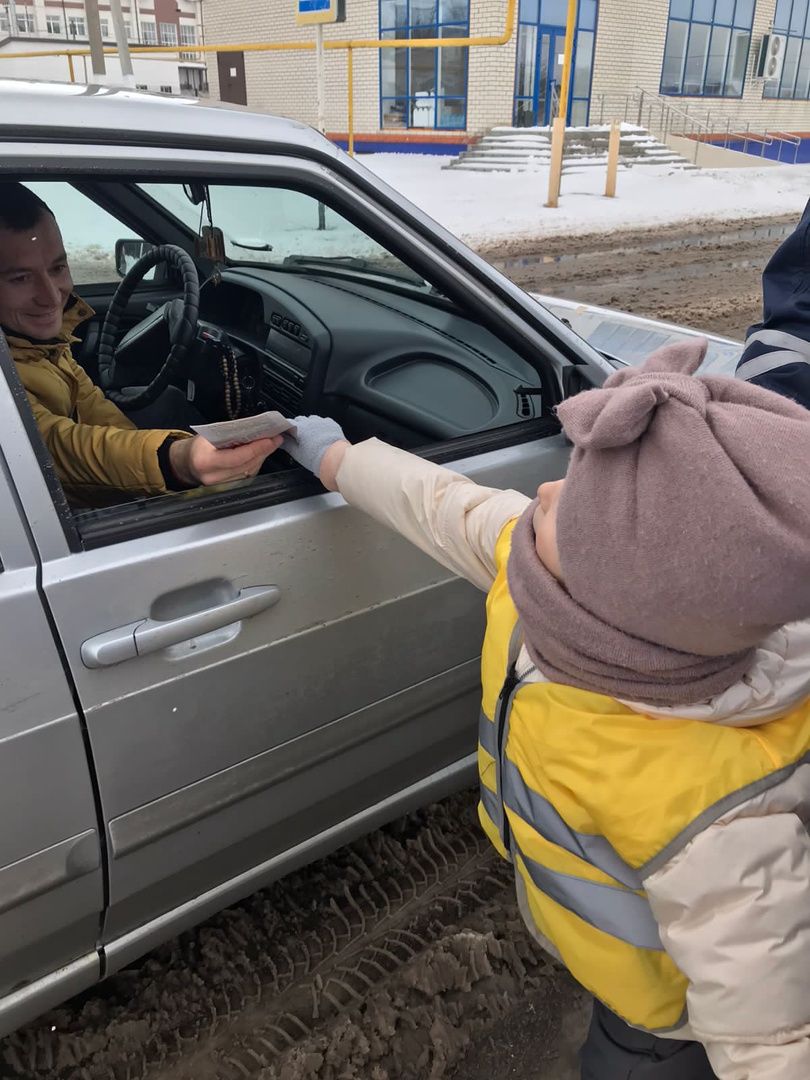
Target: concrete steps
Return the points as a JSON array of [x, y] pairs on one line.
[[506, 149]]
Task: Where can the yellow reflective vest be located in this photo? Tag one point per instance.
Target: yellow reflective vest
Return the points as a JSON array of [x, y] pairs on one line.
[[587, 797]]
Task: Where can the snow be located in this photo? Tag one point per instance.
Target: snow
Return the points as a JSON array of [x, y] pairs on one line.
[[482, 207]]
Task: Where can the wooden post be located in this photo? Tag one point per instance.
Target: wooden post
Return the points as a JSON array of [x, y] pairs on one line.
[[555, 171], [613, 158], [350, 89], [320, 78]]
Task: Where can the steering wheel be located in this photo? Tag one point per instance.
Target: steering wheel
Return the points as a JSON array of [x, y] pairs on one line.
[[179, 316]]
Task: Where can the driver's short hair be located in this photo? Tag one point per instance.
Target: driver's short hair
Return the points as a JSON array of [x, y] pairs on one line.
[[20, 208]]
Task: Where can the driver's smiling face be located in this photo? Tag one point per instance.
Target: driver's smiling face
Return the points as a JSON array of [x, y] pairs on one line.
[[35, 280]]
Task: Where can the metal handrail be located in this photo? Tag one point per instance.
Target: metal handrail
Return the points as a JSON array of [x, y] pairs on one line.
[[784, 137], [555, 100]]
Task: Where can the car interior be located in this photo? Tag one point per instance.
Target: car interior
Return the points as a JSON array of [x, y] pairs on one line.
[[246, 298]]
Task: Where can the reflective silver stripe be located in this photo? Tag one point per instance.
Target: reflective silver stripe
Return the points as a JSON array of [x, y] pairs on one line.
[[541, 815], [780, 339], [493, 807], [488, 735], [624, 915], [761, 365]]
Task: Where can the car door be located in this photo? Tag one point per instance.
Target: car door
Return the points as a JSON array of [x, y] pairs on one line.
[[51, 883], [263, 683]]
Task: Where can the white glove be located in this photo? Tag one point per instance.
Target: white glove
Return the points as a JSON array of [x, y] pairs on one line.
[[314, 437]]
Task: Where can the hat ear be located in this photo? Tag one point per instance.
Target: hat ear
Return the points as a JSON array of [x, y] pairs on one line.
[[682, 357], [613, 416]]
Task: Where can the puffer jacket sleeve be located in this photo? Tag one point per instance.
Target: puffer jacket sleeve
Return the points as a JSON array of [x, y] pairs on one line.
[[734, 913], [93, 455], [449, 517]]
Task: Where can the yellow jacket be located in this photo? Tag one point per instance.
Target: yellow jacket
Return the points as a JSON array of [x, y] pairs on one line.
[[94, 446], [663, 853]]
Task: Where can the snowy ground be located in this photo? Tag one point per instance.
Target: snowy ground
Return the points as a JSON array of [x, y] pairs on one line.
[[485, 207], [481, 208]]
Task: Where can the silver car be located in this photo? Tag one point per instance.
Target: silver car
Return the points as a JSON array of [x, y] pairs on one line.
[[203, 690]]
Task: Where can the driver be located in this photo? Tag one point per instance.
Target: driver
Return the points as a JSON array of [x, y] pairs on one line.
[[97, 450]]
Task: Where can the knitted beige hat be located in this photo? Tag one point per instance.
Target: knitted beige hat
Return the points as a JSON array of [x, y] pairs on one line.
[[685, 517]]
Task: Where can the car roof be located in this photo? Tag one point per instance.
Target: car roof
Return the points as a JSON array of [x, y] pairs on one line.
[[56, 110]]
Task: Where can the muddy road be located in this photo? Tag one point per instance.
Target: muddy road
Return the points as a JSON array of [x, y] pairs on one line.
[[402, 956], [706, 276], [385, 960]]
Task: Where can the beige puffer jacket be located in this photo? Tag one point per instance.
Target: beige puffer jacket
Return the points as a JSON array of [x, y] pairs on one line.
[[733, 906]]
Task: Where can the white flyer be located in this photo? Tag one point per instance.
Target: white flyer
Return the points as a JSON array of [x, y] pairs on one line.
[[248, 429]]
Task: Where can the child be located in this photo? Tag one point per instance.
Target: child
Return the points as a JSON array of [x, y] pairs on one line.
[[644, 744]]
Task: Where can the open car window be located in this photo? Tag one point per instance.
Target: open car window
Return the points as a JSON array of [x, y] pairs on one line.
[[310, 312], [285, 229], [89, 231]]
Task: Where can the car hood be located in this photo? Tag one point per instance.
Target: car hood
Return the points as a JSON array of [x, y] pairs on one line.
[[629, 339]]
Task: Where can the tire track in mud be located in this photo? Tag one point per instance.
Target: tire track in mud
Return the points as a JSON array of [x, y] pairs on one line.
[[383, 960]]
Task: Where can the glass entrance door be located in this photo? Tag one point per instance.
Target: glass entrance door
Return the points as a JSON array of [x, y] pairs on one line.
[[539, 75], [538, 69]]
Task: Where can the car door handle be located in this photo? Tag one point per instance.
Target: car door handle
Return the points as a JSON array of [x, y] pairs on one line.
[[151, 635]]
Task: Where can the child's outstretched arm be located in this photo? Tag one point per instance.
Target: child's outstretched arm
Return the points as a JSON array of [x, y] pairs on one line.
[[449, 517], [734, 912]]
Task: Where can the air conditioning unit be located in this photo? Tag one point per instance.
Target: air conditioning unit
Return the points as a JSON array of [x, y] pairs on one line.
[[771, 58]]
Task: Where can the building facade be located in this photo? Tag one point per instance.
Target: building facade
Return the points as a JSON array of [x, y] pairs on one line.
[[700, 56], [39, 25]]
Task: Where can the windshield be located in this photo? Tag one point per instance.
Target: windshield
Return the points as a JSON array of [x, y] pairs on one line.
[[284, 228]]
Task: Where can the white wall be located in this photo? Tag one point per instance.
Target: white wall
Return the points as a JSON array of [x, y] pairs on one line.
[[152, 73]]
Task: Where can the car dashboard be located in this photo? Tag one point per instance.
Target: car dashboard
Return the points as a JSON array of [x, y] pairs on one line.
[[412, 368]]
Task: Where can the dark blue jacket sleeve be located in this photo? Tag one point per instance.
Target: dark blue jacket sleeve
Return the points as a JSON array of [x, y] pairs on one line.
[[777, 350]]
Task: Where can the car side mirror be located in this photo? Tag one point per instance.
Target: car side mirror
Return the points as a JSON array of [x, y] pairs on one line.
[[128, 252]]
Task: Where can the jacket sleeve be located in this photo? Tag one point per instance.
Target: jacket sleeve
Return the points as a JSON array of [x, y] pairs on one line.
[[93, 407], [454, 520], [734, 913], [93, 455], [777, 350]]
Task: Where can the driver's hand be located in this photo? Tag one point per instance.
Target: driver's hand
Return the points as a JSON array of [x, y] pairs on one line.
[[196, 461]]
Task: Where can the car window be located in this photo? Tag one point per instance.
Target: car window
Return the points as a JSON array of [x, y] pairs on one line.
[[276, 225], [310, 312], [89, 232]]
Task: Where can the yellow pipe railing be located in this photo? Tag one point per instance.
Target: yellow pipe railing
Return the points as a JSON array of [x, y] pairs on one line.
[[349, 45], [299, 46]]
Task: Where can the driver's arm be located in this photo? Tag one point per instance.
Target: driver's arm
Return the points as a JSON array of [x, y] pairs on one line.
[[87, 456], [92, 407]]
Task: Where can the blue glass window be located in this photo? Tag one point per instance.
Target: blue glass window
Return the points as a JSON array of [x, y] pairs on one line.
[[793, 20], [707, 47], [424, 88]]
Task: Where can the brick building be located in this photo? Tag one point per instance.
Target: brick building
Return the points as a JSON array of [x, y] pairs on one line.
[[39, 25], [700, 55]]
